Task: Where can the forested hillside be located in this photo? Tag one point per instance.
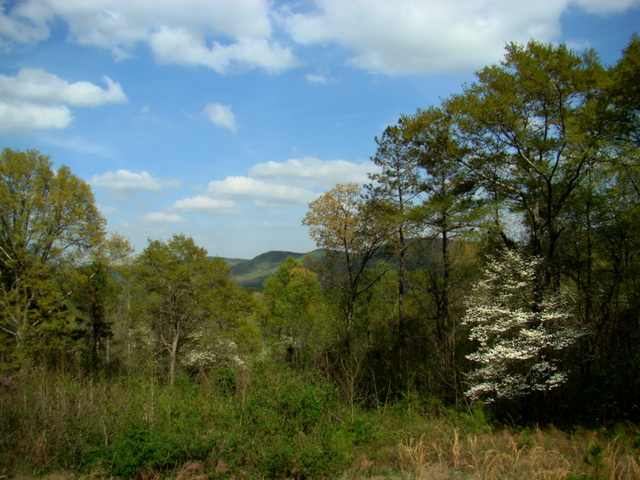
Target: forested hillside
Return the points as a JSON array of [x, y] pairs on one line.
[[252, 273], [488, 276]]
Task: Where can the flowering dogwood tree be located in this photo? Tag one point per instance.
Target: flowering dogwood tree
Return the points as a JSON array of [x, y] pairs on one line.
[[518, 331]]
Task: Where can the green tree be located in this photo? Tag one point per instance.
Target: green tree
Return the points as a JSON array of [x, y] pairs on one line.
[[95, 299], [624, 94], [92, 300], [49, 224], [531, 128], [450, 210], [395, 190], [183, 290], [295, 307]]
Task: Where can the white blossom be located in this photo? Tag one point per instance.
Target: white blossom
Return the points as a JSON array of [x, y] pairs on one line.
[[517, 330]]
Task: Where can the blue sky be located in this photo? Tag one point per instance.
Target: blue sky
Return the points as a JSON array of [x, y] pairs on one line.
[[223, 119]]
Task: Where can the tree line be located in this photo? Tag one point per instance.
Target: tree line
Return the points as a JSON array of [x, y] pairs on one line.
[[493, 257]]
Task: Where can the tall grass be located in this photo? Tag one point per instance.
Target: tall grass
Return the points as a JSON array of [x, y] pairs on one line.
[[270, 422], [532, 454]]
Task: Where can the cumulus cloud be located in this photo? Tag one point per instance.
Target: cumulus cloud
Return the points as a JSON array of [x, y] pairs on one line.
[[162, 217], [19, 117], [125, 182], [290, 184], [262, 193], [35, 99], [218, 34], [25, 24], [403, 36], [204, 204], [431, 36], [37, 86], [184, 47], [221, 116], [293, 183], [313, 172]]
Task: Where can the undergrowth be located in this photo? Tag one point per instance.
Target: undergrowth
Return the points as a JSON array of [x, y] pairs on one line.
[[271, 423]]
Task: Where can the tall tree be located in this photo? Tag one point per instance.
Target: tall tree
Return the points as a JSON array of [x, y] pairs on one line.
[[532, 128], [49, 224], [395, 190], [96, 296], [624, 94], [450, 208], [345, 227]]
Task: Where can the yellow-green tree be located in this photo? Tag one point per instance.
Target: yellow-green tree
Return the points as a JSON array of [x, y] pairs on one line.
[[346, 227], [49, 225]]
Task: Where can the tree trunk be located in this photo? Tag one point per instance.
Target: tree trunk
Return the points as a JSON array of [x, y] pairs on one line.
[[401, 267], [173, 353]]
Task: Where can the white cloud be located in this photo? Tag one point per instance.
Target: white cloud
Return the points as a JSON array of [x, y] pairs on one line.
[[239, 32], [125, 182], [184, 47], [35, 99], [21, 116], [431, 36], [202, 204], [392, 37], [23, 25], [162, 217], [36, 86], [312, 172], [262, 193], [316, 78], [221, 116]]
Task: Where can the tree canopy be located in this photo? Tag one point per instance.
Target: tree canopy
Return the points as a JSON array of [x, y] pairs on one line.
[[49, 224]]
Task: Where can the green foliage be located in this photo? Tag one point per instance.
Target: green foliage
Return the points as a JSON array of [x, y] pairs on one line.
[[531, 130], [192, 305], [295, 310], [344, 225], [281, 424], [348, 366], [49, 224], [94, 301]]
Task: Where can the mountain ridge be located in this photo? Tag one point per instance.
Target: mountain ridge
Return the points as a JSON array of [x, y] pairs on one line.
[[253, 272]]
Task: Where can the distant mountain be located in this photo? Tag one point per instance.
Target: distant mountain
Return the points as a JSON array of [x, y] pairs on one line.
[[252, 273]]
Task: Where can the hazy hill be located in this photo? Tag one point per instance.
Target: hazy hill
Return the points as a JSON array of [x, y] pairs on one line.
[[252, 273]]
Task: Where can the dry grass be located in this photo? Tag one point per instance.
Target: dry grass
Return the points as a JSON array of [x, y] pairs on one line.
[[548, 454]]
